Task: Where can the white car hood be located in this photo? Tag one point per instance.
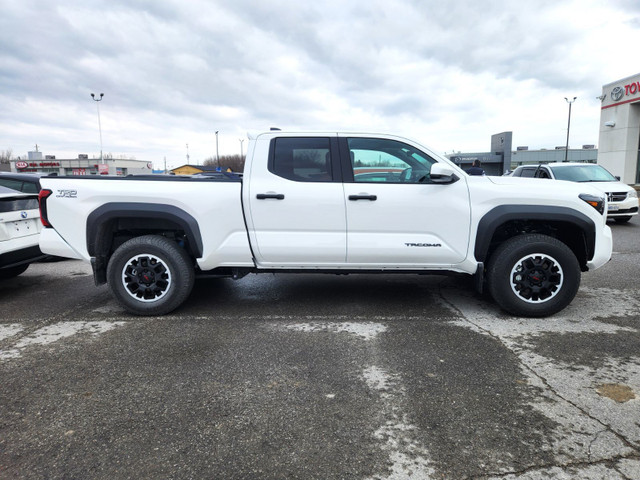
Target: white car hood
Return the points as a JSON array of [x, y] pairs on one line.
[[606, 187], [603, 187], [536, 183]]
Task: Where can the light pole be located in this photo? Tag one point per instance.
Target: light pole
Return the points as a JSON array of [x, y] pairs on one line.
[[217, 155], [241, 151], [566, 148], [187, 154], [98, 100]]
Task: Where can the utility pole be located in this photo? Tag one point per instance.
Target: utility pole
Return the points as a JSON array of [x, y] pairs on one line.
[[241, 151], [217, 155], [98, 100], [566, 148], [187, 154]]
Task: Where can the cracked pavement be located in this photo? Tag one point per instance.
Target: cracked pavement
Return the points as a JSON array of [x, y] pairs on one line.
[[302, 376]]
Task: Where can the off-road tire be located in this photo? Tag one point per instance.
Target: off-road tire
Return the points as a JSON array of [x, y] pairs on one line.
[[150, 275], [533, 275]]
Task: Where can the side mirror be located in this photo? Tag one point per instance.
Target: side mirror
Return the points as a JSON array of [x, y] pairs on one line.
[[443, 173], [618, 177]]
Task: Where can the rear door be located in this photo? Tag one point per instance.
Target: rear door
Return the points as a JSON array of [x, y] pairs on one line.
[[295, 200], [396, 216]]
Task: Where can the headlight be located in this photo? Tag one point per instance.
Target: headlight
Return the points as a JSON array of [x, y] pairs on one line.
[[632, 194], [594, 201]]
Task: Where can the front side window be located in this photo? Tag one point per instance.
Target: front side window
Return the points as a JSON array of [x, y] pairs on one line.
[[528, 172], [388, 161], [302, 159]]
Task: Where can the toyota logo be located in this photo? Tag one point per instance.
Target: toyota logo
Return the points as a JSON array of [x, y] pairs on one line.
[[617, 93]]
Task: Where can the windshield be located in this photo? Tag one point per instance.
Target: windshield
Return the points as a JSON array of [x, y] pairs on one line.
[[583, 173]]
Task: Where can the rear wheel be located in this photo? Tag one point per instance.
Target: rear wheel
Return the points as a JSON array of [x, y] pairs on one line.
[[150, 275], [533, 275]]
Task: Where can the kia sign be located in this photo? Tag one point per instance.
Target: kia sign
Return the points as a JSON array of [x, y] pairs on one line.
[[21, 165]]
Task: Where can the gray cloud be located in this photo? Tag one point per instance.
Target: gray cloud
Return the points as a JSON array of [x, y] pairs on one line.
[[231, 65]]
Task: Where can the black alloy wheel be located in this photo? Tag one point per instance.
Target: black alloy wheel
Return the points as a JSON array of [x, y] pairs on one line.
[[533, 275], [150, 275]]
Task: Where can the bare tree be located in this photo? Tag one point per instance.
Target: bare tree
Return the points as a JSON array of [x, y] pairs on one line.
[[6, 155], [234, 162]]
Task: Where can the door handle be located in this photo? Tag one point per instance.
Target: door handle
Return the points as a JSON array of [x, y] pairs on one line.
[[371, 198], [264, 196]]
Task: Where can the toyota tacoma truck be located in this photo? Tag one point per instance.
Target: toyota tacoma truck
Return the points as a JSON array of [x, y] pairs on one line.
[[329, 203]]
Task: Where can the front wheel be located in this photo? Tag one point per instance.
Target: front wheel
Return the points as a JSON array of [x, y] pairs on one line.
[[622, 219], [150, 275], [533, 275]]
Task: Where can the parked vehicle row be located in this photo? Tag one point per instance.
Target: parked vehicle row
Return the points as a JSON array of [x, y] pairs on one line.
[[19, 232], [622, 199]]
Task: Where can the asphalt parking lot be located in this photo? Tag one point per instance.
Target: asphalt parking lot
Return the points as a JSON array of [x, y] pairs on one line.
[[327, 377]]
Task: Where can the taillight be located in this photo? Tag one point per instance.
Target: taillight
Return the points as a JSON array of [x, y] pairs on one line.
[[42, 200]]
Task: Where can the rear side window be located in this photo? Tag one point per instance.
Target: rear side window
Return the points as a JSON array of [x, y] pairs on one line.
[[528, 172], [12, 184], [302, 159], [19, 185]]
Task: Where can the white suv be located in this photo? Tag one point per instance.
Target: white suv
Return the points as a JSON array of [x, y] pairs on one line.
[[19, 232], [622, 199]]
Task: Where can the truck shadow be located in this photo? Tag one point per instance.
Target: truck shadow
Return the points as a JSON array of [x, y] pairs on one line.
[[322, 295]]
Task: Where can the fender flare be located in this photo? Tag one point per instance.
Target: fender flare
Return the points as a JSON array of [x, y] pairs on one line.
[[110, 211], [504, 213]]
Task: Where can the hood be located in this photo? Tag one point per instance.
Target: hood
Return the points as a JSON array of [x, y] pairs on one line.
[[607, 187], [528, 186], [602, 187]]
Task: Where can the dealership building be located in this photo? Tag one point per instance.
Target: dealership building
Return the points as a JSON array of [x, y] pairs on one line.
[[503, 158], [83, 165], [619, 143]]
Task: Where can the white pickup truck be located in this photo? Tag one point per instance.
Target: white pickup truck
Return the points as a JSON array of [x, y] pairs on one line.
[[329, 203]]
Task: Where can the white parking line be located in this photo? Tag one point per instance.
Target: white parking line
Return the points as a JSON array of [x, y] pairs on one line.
[[55, 332], [10, 330], [365, 330], [408, 459]]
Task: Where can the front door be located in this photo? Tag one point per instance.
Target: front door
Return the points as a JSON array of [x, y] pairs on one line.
[[396, 216]]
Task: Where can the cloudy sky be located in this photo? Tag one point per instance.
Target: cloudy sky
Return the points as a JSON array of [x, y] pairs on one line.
[[446, 73]]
